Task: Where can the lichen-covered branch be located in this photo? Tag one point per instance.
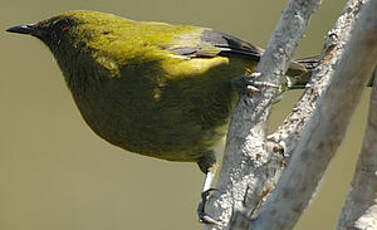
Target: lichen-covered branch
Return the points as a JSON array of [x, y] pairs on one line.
[[249, 164]]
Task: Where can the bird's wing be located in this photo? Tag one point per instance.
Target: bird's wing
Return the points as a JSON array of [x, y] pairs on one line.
[[209, 43]]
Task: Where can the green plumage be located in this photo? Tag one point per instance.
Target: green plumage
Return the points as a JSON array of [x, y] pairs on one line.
[[151, 88]]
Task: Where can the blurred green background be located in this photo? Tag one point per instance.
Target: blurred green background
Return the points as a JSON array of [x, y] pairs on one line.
[[55, 173]]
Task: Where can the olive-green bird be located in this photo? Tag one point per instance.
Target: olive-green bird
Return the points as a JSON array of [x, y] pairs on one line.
[[152, 88]]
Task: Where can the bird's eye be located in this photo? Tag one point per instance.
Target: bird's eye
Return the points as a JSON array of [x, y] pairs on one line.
[[65, 28], [62, 25]]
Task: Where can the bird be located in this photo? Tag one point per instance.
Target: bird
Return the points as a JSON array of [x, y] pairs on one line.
[[152, 88]]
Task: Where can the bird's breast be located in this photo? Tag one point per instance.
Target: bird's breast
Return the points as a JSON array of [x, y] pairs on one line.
[[145, 112]]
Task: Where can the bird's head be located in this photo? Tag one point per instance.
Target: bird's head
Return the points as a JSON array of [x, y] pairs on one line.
[[52, 31], [69, 28], [79, 35]]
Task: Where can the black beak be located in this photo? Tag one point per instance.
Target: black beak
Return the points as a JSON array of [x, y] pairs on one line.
[[23, 29]]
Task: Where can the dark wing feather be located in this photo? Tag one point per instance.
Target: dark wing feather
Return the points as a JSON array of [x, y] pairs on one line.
[[211, 43], [228, 45]]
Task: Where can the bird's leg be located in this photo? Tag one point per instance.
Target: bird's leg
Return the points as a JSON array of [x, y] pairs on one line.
[[203, 216], [210, 176], [208, 165]]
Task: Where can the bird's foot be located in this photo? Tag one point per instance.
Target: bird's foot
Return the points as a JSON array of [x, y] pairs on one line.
[[248, 84], [203, 216]]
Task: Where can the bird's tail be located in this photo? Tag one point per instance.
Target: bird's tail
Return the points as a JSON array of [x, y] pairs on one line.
[[300, 71], [309, 63]]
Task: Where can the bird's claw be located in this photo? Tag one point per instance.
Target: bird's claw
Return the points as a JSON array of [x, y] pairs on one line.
[[203, 216], [254, 86], [249, 84]]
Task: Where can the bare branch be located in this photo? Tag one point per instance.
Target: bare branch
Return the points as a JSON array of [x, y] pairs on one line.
[[290, 132], [348, 70], [360, 210]]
